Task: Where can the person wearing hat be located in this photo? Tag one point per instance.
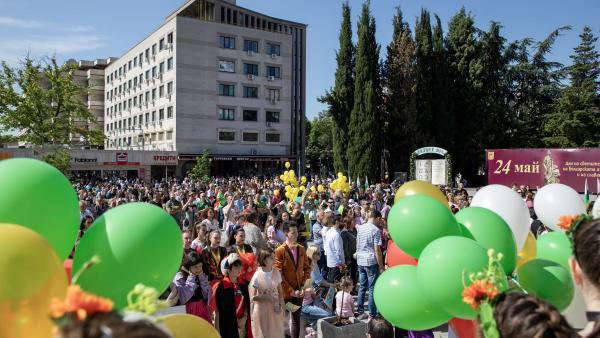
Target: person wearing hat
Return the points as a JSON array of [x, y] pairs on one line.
[[231, 301]]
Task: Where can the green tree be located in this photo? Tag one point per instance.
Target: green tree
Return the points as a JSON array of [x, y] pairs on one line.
[[400, 101], [424, 79], [320, 140], [341, 98], [201, 171], [442, 117], [40, 100], [576, 120], [364, 130]]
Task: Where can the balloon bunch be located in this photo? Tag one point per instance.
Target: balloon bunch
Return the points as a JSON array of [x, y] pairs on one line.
[[340, 183], [39, 223], [292, 186], [434, 250]]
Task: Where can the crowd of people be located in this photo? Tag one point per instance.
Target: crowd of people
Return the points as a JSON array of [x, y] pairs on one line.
[[258, 265]]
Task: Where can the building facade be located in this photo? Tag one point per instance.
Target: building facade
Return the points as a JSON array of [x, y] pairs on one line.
[[215, 77]]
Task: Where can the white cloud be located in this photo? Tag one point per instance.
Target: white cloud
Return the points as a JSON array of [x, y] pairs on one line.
[[9, 21]]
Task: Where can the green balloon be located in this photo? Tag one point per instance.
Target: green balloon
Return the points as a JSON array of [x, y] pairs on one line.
[[444, 268], [465, 232], [547, 280], [555, 247], [492, 232], [398, 285], [38, 196], [136, 243], [417, 220]]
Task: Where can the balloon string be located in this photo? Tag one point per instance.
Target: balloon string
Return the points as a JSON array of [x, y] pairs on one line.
[[94, 260], [515, 282]]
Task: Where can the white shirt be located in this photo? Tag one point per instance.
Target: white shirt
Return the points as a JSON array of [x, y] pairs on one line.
[[334, 248]]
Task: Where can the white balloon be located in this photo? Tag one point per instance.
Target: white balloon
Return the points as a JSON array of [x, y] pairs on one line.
[[596, 209], [509, 205], [555, 200]]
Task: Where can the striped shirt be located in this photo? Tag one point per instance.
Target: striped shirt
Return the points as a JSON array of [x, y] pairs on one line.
[[367, 238]]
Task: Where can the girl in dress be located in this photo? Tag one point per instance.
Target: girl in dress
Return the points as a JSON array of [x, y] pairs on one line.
[[231, 301], [213, 255], [200, 237], [344, 303], [211, 222], [267, 298], [192, 286]]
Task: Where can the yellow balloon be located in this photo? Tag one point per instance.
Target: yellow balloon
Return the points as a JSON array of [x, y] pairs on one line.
[[287, 165], [188, 326], [313, 188], [421, 188], [528, 251], [302, 188], [30, 276], [282, 177], [303, 179], [340, 175], [287, 188], [320, 188], [276, 192]]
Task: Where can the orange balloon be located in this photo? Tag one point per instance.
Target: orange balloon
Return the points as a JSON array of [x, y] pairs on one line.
[[188, 326], [528, 251], [421, 188], [30, 276], [395, 256]]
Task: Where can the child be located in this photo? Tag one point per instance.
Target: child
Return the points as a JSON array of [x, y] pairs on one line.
[[192, 286], [344, 302]]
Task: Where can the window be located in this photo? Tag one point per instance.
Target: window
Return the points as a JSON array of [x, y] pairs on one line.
[[272, 116], [148, 75], [169, 112], [169, 135], [129, 64], [227, 42], [170, 38], [273, 94], [135, 61], [226, 90], [135, 81], [108, 79], [274, 72], [153, 94], [226, 66], [147, 54], [129, 122], [250, 68], [153, 116], [170, 64], [161, 91], [161, 114], [147, 97], [250, 137], [154, 72], [141, 78], [251, 92], [147, 117], [140, 118], [135, 120], [250, 115], [227, 114], [161, 67], [273, 49], [226, 136], [161, 44], [272, 138], [251, 45], [135, 101], [160, 136], [153, 49], [170, 88]]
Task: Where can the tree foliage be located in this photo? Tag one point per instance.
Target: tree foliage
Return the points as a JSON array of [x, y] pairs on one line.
[[201, 171], [320, 143]]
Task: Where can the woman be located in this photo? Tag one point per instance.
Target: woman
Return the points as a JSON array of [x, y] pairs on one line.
[[349, 234], [213, 255], [273, 222], [237, 245], [231, 301], [85, 224], [585, 268], [210, 221], [267, 298], [313, 307], [192, 286], [200, 241], [186, 236]]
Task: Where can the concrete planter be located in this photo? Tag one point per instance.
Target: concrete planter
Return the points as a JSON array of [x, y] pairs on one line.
[[327, 328]]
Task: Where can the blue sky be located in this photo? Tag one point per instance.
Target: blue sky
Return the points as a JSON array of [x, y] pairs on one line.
[[90, 29]]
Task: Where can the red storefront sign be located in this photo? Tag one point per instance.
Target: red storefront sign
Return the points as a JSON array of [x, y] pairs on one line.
[[538, 167], [121, 157]]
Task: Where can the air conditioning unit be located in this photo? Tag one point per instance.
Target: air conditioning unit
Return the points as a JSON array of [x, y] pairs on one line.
[[271, 78], [274, 56], [250, 76], [269, 124], [250, 52]]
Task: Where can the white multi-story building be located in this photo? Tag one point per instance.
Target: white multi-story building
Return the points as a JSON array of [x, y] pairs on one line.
[[216, 77]]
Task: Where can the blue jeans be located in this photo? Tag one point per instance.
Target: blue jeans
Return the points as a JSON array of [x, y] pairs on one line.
[[367, 275], [313, 313]]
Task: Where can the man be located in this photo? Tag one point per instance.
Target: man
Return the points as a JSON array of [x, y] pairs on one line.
[[379, 328], [334, 250], [292, 262], [254, 236], [174, 208], [318, 238], [370, 261]]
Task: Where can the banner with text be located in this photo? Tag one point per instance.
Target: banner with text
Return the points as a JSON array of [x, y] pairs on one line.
[[538, 167]]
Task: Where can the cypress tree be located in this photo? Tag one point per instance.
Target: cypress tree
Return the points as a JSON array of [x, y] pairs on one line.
[[341, 98], [442, 117], [576, 120], [364, 129], [424, 77], [399, 83]]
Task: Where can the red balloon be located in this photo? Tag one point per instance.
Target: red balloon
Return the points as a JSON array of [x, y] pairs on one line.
[[395, 256], [463, 328], [68, 265]]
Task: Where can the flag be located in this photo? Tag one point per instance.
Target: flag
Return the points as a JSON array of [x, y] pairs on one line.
[[366, 182], [586, 194]]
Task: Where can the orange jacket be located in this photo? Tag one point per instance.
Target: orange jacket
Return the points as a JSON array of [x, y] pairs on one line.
[[293, 275]]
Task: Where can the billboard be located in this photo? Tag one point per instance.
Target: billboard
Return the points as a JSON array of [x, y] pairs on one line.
[[538, 167]]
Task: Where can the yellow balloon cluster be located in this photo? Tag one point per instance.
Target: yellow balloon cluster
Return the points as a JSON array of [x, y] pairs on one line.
[[340, 183], [293, 184]]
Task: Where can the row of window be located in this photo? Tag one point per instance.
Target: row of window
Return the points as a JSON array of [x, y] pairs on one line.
[[250, 92], [270, 48], [150, 74], [227, 66], [239, 18], [163, 43], [229, 136], [138, 120], [228, 114], [144, 98], [137, 140]]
